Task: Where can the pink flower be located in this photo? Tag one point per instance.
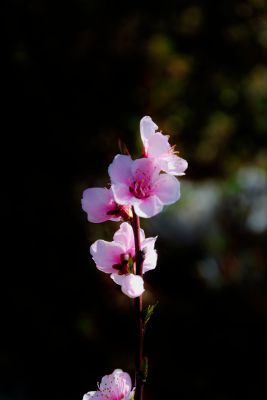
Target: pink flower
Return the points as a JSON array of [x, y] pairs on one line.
[[157, 146], [100, 206], [139, 183], [118, 259], [116, 386]]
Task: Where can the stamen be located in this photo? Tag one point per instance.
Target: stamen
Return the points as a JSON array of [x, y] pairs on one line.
[[141, 189]]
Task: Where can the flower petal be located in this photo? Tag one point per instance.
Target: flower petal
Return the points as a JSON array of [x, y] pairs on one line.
[[123, 376], [125, 237], [120, 169], [147, 129], [106, 254], [151, 256], [94, 396], [150, 261], [117, 278], [131, 285], [145, 168], [122, 193], [167, 189], [158, 145], [116, 385], [148, 207], [142, 235], [97, 202], [148, 243], [174, 165]]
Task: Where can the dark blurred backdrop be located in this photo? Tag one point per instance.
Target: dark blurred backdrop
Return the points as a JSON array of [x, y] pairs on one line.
[[78, 75]]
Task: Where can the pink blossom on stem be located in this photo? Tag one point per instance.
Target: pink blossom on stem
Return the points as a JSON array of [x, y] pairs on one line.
[[100, 206], [156, 145], [118, 259], [116, 386], [140, 184]]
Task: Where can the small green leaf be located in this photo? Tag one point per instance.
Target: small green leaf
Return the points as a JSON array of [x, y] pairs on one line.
[[145, 367], [148, 312]]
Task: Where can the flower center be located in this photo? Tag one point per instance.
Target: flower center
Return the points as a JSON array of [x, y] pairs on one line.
[[141, 189], [126, 265]]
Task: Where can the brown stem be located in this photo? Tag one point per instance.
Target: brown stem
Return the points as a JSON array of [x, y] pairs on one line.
[[139, 375]]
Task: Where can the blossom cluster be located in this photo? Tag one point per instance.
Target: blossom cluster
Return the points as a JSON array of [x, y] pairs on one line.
[[138, 188], [143, 186]]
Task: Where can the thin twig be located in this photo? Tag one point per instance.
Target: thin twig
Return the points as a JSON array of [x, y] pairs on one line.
[[139, 375]]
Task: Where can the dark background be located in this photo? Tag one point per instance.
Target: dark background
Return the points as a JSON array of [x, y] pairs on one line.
[[79, 75]]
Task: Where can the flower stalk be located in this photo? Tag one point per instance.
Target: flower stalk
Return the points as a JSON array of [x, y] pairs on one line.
[[138, 302]]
